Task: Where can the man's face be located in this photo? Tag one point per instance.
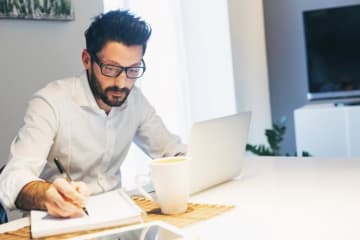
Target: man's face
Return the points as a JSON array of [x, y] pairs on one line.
[[112, 91]]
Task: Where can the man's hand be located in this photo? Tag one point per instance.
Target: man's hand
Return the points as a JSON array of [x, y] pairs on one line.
[[66, 199], [60, 198]]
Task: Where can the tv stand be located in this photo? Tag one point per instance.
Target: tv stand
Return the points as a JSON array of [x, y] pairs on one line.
[[325, 130], [352, 103]]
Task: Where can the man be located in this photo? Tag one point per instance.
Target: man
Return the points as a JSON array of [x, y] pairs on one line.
[[88, 123]]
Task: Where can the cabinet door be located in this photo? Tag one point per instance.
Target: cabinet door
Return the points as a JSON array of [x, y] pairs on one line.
[[322, 131]]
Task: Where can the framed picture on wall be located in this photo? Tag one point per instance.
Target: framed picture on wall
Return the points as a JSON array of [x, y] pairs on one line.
[[37, 9]]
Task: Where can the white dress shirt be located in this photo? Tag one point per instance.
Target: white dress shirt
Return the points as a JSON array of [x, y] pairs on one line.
[[63, 120]]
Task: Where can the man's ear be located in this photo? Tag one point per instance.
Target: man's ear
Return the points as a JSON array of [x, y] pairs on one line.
[[86, 59]]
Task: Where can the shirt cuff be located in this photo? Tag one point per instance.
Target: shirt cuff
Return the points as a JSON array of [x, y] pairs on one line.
[[11, 184]]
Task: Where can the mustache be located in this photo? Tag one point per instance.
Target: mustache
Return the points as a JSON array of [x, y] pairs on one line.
[[117, 89]]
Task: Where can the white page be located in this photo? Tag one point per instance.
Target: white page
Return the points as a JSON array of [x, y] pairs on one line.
[[105, 210]]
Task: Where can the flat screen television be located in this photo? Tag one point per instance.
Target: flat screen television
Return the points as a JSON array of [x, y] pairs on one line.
[[332, 43]]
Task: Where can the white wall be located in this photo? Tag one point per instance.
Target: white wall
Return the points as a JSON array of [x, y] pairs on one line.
[[208, 52], [250, 65], [34, 53], [191, 40]]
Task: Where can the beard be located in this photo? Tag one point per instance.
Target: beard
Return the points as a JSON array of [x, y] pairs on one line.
[[105, 95]]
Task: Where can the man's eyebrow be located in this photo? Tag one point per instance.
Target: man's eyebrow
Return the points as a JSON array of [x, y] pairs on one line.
[[111, 62]]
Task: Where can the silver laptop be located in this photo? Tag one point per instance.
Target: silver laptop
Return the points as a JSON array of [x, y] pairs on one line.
[[217, 147]]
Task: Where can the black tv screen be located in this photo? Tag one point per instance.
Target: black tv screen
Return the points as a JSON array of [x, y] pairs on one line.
[[332, 38]]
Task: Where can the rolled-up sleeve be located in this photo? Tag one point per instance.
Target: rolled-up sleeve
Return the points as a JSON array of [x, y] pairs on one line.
[[29, 149]]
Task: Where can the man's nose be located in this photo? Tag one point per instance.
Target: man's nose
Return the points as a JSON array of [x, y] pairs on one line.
[[120, 81]]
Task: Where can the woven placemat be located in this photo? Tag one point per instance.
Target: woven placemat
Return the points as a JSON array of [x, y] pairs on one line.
[[196, 212]]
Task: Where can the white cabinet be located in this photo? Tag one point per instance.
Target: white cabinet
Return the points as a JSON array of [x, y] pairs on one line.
[[326, 130]]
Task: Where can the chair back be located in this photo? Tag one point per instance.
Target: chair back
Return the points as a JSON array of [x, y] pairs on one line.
[[3, 215]]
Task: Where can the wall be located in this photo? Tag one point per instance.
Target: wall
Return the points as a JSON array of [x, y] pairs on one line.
[[286, 57], [32, 54], [206, 34], [250, 66]]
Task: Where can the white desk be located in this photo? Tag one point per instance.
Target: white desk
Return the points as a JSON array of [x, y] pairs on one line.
[[288, 198], [285, 198]]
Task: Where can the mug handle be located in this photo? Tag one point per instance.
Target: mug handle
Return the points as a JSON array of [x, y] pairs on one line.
[[140, 189]]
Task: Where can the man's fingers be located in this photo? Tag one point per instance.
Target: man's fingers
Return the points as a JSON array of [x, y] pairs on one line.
[[81, 188], [59, 207], [55, 211], [69, 192], [66, 199]]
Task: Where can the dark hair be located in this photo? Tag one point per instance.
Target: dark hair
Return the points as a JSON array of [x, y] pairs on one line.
[[119, 26]]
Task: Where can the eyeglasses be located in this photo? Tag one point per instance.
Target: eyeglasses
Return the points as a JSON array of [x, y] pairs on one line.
[[114, 71]]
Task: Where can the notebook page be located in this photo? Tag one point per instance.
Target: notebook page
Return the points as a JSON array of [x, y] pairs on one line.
[[105, 210]]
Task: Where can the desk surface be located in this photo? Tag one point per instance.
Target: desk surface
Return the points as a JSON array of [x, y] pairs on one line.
[[283, 198], [288, 198]]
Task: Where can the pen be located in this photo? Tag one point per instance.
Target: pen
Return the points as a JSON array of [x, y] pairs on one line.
[[66, 175]]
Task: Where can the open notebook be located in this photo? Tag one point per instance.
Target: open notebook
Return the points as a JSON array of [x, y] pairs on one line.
[[109, 209]]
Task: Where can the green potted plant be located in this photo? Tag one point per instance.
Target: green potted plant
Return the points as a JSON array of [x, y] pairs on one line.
[[274, 137]]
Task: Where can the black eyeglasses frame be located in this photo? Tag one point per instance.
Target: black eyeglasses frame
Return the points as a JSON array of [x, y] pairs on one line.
[[121, 68]]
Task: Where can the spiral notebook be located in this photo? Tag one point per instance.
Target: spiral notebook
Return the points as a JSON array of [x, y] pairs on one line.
[[109, 209]]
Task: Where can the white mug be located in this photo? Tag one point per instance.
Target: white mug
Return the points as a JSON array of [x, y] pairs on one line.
[[170, 178]]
